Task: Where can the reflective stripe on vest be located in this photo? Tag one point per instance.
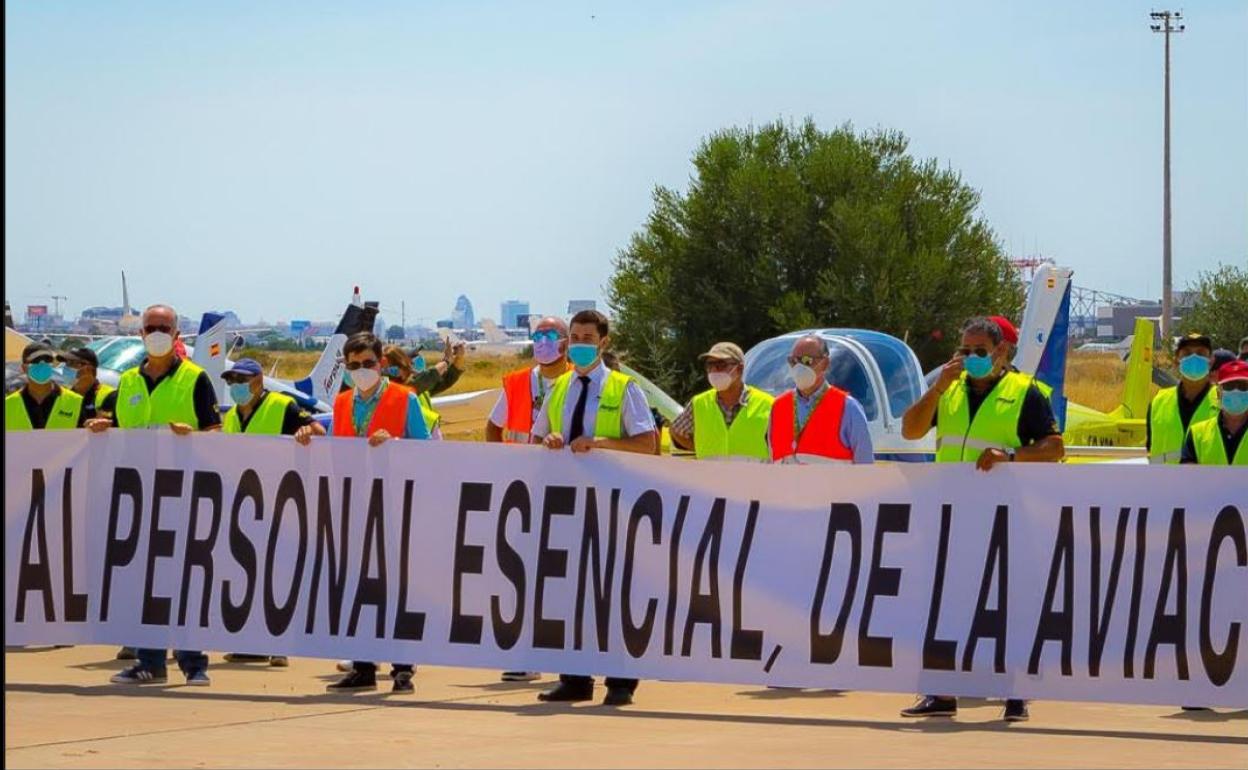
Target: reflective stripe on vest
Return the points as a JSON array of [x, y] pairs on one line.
[[961, 439], [746, 438], [64, 414], [609, 420], [820, 439], [173, 400], [1166, 424], [266, 419], [1211, 449], [390, 414]]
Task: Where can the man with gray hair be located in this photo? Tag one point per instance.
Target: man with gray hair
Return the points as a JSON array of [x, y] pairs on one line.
[[817, 422], [163, 391]]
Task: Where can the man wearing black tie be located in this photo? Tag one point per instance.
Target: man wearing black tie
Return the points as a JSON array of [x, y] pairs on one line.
[[594, 408]]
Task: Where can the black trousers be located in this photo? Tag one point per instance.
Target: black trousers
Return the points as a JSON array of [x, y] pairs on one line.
[[588, 681]]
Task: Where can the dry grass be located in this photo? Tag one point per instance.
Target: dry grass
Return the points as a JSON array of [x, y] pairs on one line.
[[1096, 379]]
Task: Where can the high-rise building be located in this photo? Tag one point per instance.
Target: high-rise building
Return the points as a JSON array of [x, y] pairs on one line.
[[510, 312], [462, 316], [577, 305]]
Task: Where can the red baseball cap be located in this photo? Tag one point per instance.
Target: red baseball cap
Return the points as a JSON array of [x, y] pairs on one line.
[[1233, 370], [1008, 332]]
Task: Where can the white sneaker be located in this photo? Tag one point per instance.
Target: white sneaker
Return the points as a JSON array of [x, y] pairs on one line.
[[521, 676], [346, 666]]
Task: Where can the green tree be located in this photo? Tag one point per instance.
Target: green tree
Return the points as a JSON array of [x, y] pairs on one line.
[[395, 332], [1221, 307], [785, 227]]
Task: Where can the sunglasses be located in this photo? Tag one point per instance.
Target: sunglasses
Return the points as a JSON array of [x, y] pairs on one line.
[[547, 335], [805, 360], [1234, 385], [979, 351], [369, 364], [153, 328], [718, 366], [42, 360]]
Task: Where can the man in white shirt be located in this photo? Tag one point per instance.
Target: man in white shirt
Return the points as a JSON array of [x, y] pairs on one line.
[[594, 408]]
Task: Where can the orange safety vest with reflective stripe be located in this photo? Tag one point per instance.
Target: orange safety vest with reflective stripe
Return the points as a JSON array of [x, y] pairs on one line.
[[518, 387], [820, 439], [390, 414]]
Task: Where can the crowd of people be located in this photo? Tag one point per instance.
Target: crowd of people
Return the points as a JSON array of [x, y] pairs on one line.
[[575, 397]]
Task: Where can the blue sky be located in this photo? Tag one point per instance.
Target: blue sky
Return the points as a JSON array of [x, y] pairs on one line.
[[265, 157]]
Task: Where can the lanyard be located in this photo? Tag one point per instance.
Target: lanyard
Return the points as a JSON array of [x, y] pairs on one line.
[[799, 425]]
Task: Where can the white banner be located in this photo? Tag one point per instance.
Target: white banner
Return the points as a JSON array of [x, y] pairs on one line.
[[1082, 582]]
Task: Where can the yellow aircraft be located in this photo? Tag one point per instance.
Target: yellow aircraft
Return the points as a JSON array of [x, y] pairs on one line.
[[1125, 425]]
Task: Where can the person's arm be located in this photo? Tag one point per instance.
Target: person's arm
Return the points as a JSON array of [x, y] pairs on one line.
[[921, 415], [682, 428], [1037, 430], [497, 419], [426, 380], [541, 433], [447, 380], [856, 434], [205, 399]]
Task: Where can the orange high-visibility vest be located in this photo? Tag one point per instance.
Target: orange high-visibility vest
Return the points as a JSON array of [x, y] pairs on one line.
[[820, 440], [518, 386], [390, 414]]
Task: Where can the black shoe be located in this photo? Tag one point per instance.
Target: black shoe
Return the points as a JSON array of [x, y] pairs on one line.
[[932, 706], [127, 653], [1016, 711], [402, 682], [566, 693], [354, 681], [617, 696], [245, 657]]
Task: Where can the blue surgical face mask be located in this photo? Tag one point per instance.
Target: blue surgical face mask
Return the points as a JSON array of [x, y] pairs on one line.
[[40, 373], [977, 366], [1194, 367], [418, 363], [392, 372], [240, 392], [1235, 402], [582, 354]]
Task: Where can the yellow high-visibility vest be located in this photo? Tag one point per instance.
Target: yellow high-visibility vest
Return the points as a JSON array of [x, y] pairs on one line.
[[1166, 445], [1210, 449], [959, 439], [64, 416], [173, 400], [746, 438], [266, 420], [610, 404]]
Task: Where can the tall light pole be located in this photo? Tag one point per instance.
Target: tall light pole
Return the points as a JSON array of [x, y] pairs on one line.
[[1166, 26]]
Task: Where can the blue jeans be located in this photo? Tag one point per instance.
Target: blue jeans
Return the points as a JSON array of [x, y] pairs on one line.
[[188, 661]]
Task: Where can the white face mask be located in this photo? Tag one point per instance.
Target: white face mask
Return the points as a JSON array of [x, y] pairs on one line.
[[803, 376], [365, 379], [719, 380], [158, 344]]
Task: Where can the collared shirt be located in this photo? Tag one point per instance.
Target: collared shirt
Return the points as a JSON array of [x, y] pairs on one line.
[[635, 416], [1230, 441], [204, 396], [362, 410], [539, 386], [855, 430], [682, 426], [40, 411]]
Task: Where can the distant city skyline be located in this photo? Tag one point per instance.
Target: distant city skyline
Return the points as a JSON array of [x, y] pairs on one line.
[[269, 156]]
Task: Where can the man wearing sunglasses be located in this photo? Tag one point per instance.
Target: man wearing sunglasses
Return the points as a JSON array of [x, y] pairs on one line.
[[525, 390], [1219, 440], [41, 404], [986, 414], [593, 408], [730, 420], [816, 422], [377, 410], [164, 390], [84, 364]]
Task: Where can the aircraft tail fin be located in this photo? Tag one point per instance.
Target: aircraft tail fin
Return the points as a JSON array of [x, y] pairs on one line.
[[492, 333], [211, 349], [1043, 336], [323, 381], [1136, 390]]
